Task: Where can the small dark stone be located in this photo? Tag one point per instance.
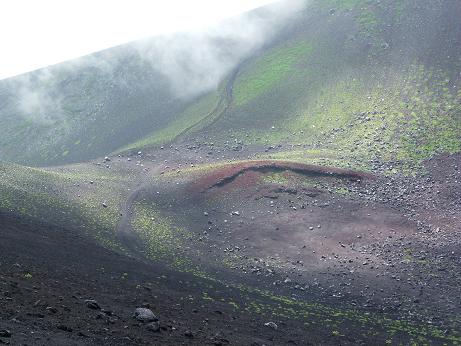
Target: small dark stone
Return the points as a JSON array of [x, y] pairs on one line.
[[65, 328], [92, 304], [4, 333], [37, 315], [153, 327], [107, 312], [188, 334], [51, 310]]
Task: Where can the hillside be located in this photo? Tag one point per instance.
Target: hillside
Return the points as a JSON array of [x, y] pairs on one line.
[[357, 65], [82, 109], [362, 79], [91, 106], [300, 190]]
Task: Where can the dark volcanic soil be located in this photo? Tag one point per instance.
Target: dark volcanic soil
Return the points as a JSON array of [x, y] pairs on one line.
[[46, 274], [384, 244], [377, 246]]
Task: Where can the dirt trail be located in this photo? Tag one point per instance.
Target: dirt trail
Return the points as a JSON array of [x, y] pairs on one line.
[[124, 229], [223, 105], [229, 94]]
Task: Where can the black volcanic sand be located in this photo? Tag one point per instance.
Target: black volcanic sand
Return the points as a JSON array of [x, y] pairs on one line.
[[46, 274], [384, 246], [381, 244]]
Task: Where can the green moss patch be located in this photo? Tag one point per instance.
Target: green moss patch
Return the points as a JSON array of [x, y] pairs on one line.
[[192, 119], [65, 197], [265, 72]]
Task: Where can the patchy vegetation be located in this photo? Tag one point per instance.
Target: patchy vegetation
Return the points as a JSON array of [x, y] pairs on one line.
[[192, 119], [75, 196], [264, 73], [316, 191], [164, 241]]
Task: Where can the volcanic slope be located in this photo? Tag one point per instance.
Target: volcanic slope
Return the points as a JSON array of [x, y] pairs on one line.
[[84, 108], [372, 84], [316, 189], [331, 256]]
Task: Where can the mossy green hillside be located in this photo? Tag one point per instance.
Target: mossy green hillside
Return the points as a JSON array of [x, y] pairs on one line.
[[405, 118], [164, 240], [69, 197], [260, 76], [397, 117], [333, 90], [264, 73], [79, 110], [336, 87], [192, 119]]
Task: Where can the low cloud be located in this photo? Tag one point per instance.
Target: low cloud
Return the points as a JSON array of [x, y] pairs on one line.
[[196, 62], [192, 63]]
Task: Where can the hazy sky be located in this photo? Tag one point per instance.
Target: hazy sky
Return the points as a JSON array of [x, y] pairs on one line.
[[35, 34]]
